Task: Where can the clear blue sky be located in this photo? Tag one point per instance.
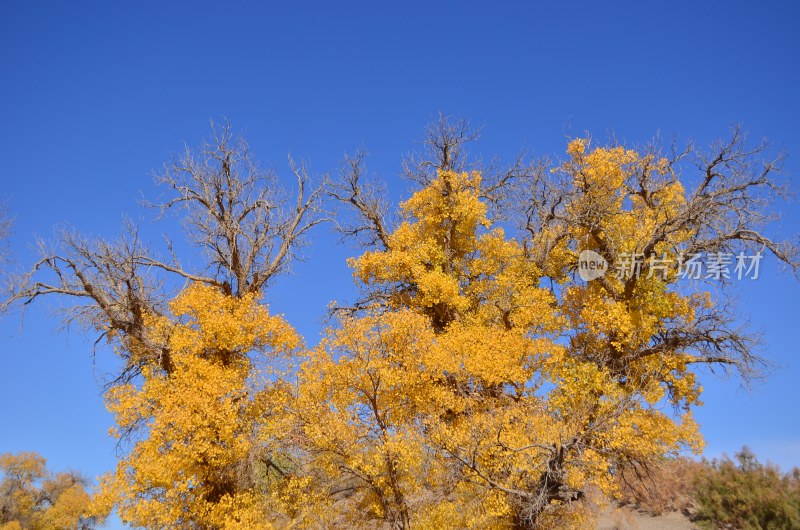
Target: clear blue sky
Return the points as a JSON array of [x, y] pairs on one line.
[[94, 96]]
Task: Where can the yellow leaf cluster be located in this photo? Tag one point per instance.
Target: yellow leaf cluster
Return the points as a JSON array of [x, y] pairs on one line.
[[196, 427]]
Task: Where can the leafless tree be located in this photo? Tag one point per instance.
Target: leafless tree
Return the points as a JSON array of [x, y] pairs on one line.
[[236, 213], [232, 209]]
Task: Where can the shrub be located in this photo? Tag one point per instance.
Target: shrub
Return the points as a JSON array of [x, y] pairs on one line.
[[747, 495], [660, 489]]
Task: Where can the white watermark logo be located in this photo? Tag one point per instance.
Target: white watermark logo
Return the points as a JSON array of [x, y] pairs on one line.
[[591, 265]]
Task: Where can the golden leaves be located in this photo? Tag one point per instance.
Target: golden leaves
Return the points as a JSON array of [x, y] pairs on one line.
[[475, 365], [32, 498], [196, 426], [453, 400]]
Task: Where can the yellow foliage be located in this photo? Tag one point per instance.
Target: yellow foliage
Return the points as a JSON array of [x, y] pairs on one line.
[[470, 394], [475, 379], [198, 426], [34, 499]]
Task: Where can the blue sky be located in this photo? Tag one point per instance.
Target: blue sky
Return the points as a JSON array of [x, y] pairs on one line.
[[93, 96]]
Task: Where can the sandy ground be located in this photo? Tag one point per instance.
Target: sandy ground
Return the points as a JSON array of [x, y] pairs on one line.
[[627, 519]]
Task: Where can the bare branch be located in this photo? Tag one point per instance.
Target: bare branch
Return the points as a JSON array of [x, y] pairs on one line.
[[114, 287], [443, 149], [235, 212], [365, 199]]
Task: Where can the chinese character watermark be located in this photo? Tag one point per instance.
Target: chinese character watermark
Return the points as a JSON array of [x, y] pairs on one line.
[[697, 266]]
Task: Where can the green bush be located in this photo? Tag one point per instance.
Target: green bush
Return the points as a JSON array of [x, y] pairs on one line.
[[746, 495]]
